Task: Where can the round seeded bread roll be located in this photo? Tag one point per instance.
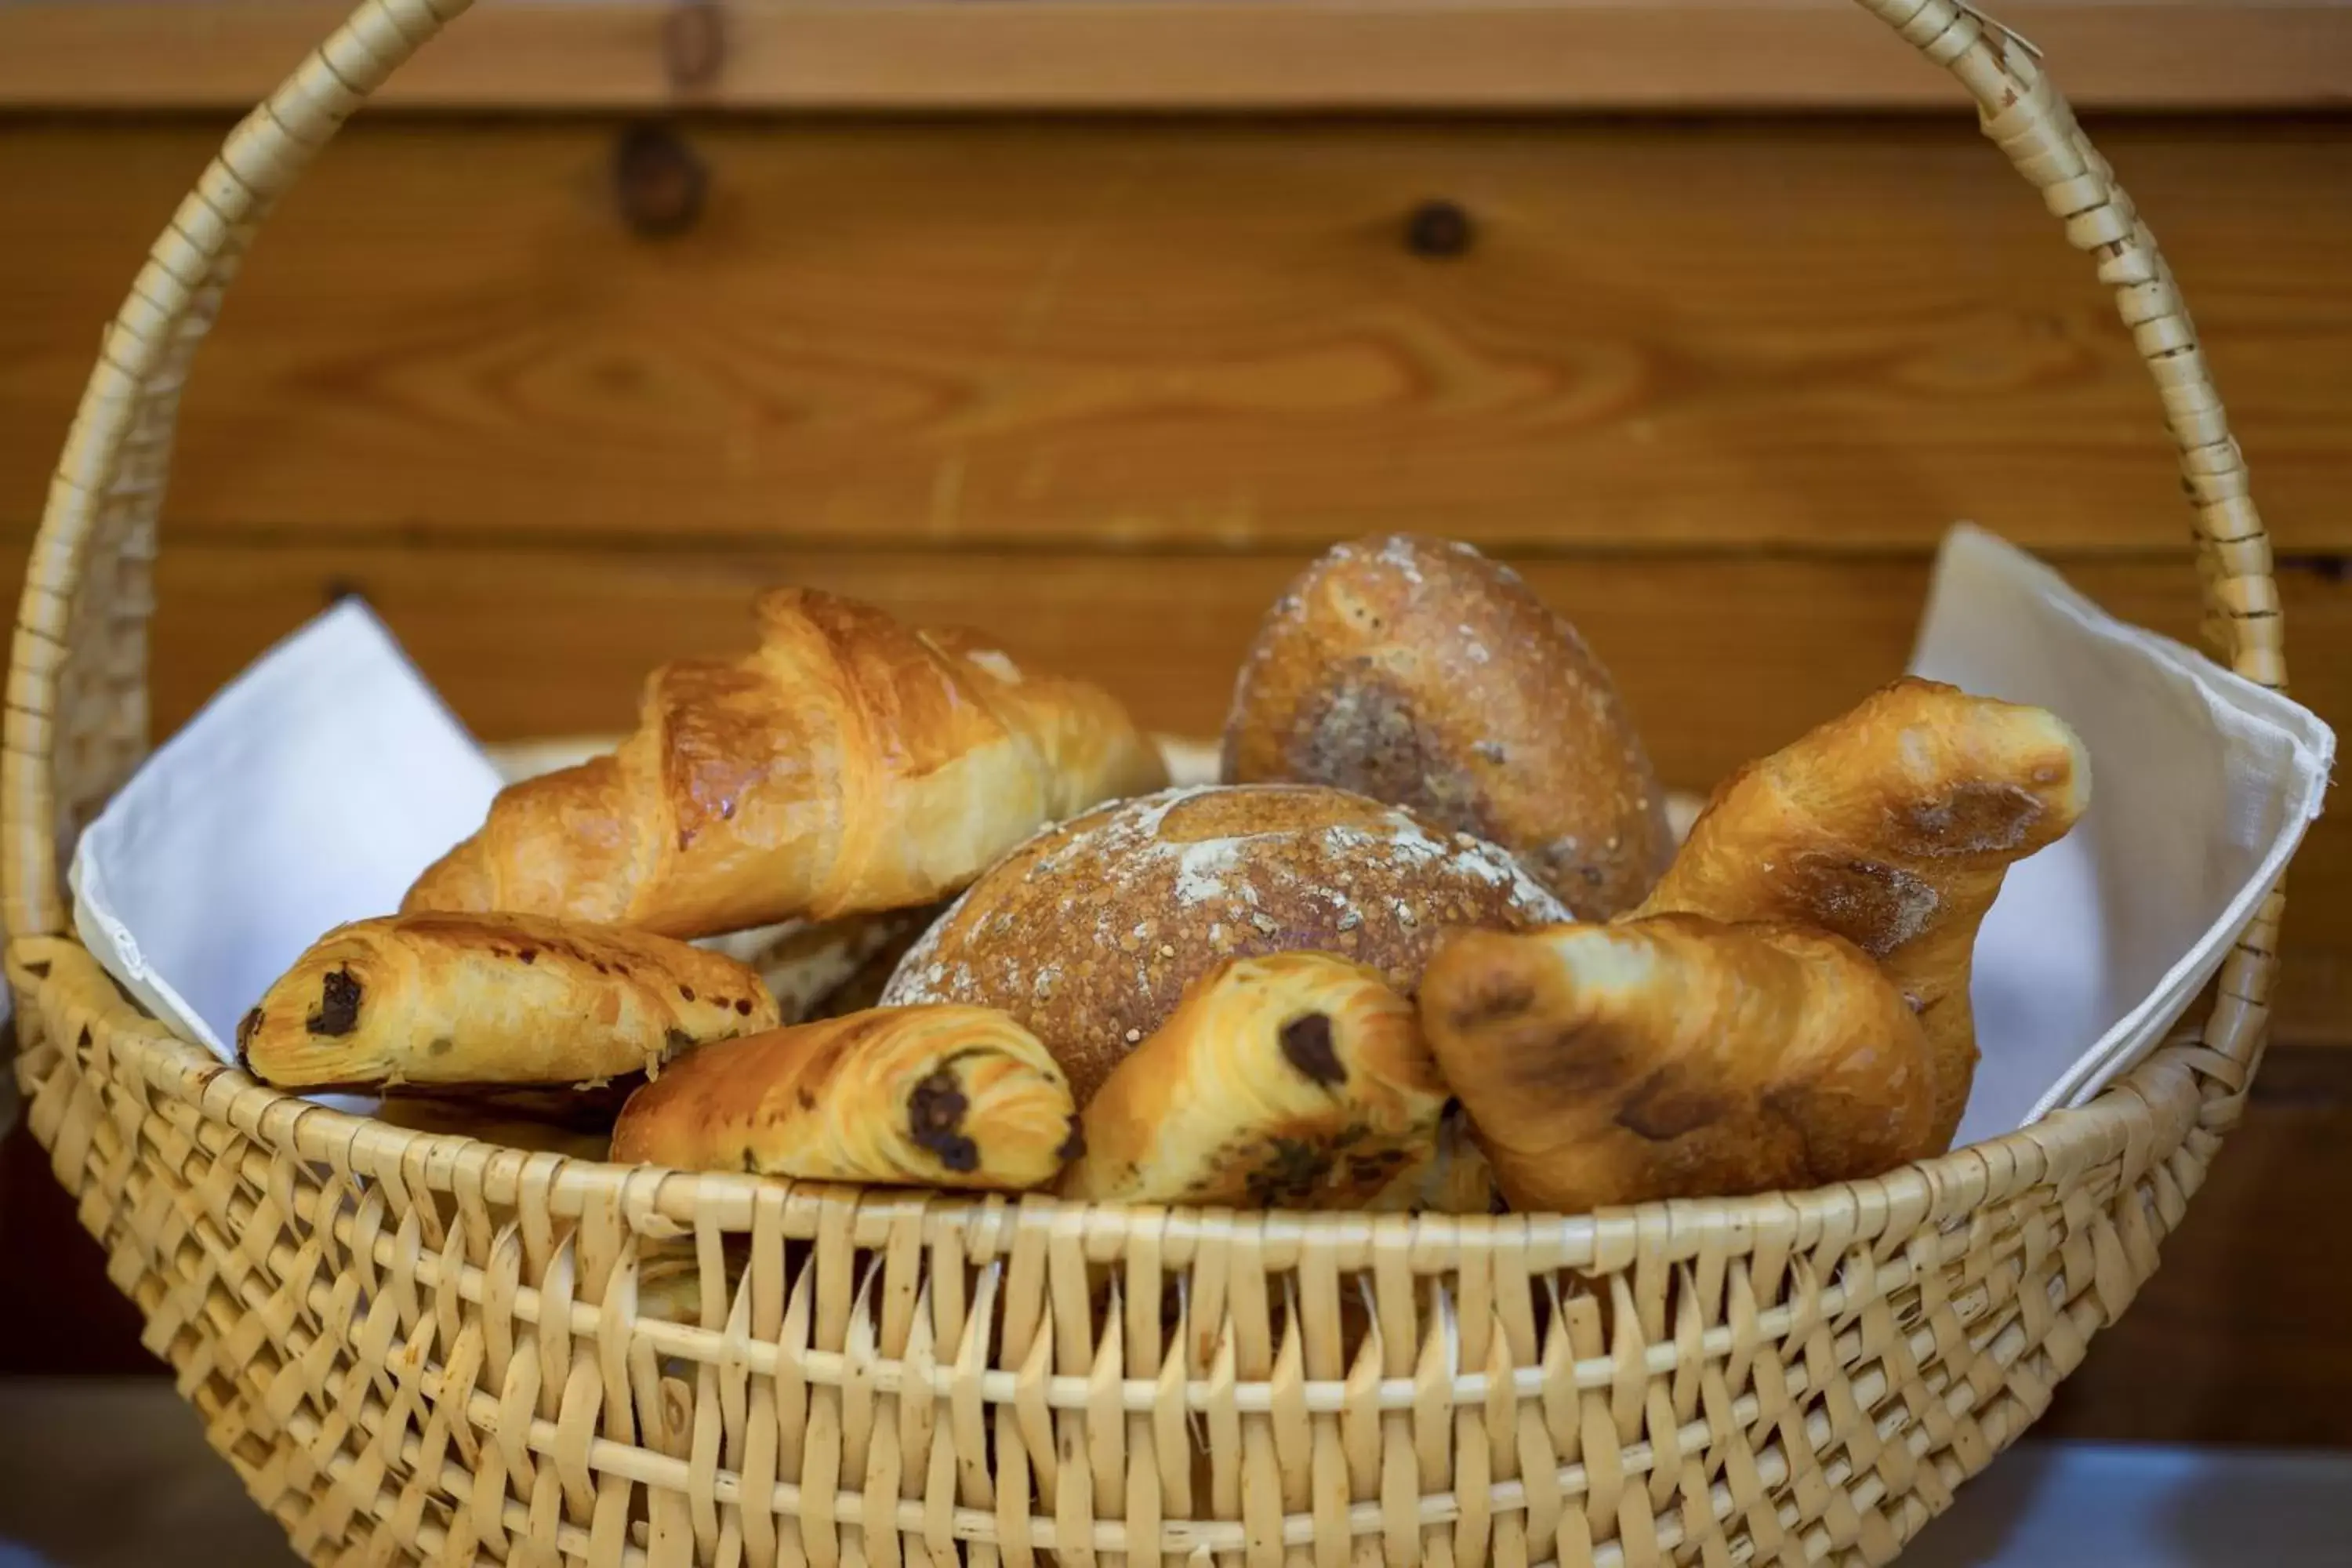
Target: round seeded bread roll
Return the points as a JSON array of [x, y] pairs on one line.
[[1419, 672], [1088, 933]]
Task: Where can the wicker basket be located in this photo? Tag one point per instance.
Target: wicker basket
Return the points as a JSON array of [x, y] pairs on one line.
[[424, 1348]]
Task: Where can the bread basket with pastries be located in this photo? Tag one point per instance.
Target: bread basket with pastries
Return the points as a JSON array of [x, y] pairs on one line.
[[892, 1105]]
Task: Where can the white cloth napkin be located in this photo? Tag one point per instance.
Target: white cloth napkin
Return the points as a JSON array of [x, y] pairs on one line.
[[310, 792], [2203, 783], [316, 787]]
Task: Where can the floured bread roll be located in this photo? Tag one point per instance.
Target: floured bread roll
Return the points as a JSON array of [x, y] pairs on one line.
[[1294, 1080], [1419, 672], [1090, 933]]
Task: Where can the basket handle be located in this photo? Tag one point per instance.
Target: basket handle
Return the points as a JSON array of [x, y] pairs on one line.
[[77, 710]]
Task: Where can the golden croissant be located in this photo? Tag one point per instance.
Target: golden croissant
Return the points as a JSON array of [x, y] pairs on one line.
[[846, 763], [1675, 1056], [1893, 826]]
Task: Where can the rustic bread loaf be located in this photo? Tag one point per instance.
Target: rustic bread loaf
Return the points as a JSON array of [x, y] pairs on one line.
[[1089, 933], [1421, 673]]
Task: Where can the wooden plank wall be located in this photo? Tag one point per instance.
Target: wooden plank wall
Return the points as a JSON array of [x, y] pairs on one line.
[[1718, 386], [1189, 56]]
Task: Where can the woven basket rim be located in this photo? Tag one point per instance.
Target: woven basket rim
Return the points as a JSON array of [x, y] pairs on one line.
[[1953, 1184]]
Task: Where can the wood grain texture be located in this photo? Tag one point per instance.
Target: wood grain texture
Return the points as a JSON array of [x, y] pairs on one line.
[[1816, 337], [1721, 658], [1184, 54]]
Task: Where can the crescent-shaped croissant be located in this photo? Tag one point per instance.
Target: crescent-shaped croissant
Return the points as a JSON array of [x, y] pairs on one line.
[[1674, 1057], [846, 763], [1891, 826]]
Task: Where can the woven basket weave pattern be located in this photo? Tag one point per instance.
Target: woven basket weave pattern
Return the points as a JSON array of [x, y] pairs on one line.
[[421, 1348]]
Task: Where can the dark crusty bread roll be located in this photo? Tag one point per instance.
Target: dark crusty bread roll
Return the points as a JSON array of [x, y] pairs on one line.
[[492, 999], [1421, 673], [1090, 933]]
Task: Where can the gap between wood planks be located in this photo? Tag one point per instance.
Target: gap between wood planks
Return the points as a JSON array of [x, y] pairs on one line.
[[1460, 56], [485, 538]]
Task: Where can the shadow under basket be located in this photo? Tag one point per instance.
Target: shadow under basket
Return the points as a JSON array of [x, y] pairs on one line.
[[416, 1347]]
